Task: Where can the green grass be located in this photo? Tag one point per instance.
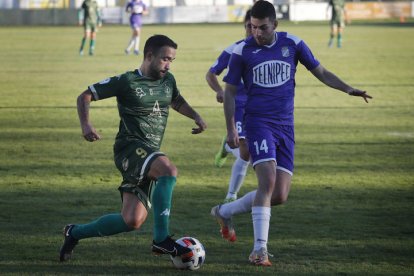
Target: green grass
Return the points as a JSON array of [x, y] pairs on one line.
[[350, 210]]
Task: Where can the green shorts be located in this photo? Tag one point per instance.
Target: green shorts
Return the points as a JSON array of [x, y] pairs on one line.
[[337, 22], [134, 162], [89, 26]]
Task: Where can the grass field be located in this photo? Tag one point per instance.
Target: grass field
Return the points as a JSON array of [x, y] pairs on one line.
[[351, 207]]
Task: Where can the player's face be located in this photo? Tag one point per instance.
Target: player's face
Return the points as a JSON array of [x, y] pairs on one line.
[[160, 64], [263, 30]]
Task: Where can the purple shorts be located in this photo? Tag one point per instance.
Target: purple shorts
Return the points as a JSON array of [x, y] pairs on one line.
[[271, 142], [239, 119], [135, 21]]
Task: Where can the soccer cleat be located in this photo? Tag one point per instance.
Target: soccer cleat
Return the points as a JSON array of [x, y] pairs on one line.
[[169, 246], [81, 53], [68, 245], [136, 52], [260, 257], [91, 53], [126, 52], [226, 226], [221, 155]]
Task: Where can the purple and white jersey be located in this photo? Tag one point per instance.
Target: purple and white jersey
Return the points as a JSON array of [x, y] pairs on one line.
[[222, 63], [268, 74], [136, 7]]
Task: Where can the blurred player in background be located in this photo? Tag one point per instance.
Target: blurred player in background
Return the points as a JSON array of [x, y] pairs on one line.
[[241, 163], [137, 9], [144, 97], [89, 16], [337, 22], [267, 63]]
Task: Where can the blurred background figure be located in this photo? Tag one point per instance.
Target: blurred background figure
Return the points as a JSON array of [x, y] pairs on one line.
[[240, 165], [338, 16], [90, 17], [137, 8]]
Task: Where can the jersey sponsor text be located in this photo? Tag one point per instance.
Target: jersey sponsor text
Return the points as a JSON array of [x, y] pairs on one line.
[[271, 73]]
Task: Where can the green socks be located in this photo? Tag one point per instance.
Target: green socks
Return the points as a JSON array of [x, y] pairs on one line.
[[106, 225], [82, 44], [92, 46], [161, 204], [112, 224], [339, 42]]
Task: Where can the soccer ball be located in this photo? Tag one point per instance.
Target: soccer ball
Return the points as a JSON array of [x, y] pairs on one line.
[[198, 258]]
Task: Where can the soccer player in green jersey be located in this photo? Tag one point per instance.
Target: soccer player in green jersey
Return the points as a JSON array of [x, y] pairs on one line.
[[90, 18], [338, 15], [144, 97]]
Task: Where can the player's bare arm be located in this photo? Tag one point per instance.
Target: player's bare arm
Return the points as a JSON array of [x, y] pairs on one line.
[[229, 109], [83, 104], [331, 80], [212, 81], [181, 106]]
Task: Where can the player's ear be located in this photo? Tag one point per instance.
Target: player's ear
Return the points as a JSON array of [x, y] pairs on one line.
[[275, 24], [149, 55]]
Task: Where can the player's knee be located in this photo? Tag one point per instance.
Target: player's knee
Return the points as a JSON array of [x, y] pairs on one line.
[[134, 222], [279, 199], [171, 170]]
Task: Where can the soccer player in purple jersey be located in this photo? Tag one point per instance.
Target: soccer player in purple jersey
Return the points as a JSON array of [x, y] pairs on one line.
[[267, 64], [137, 8], [241, 163]]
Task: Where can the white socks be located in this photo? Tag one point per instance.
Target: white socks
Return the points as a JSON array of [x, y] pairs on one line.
[[239, 206], [261, 219], [136, 45], [238, 173], [134, 42], [234, 151]]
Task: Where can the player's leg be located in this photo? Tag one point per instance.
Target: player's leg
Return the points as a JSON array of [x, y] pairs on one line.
[[137, 33], [165, 174], [340, 31], [261, 212], [241, 164], [86, 35], [132, 39], [92, 41], [238, 172], [332, 33], [132, 216]]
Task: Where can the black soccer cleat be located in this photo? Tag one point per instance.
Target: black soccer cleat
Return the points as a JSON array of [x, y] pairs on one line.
[[68, 244], [169, 246]]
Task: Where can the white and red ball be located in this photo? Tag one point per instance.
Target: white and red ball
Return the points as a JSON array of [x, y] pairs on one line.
[[198, 258]]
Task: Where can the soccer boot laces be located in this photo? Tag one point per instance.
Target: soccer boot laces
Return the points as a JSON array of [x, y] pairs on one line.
[[260, 257]]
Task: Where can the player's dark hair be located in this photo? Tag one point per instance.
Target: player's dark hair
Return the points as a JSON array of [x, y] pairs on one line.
[[262, 9], [156, 42], [247, 15]]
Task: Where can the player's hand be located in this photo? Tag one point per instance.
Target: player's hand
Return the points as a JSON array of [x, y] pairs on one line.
[[201, 125], [359, 93], [90, 134], [220, 96], [233, 139]]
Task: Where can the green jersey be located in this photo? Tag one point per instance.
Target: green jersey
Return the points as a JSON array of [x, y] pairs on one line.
[[337, 9], [143, 106], [90, 12]]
